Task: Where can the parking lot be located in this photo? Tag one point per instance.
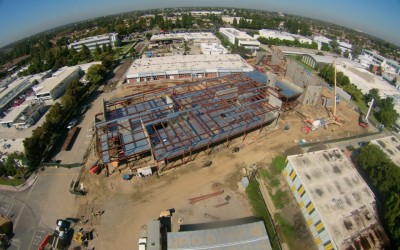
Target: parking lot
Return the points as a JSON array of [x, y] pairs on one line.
[[34, 211]]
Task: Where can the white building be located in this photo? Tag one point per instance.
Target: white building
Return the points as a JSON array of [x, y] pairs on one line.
[[337, 204], [321, 40], [229, 19], [54, 87], [240, 38], [276, 34], [391, 146], [195, 38], [12, 91], [213, 49], [24, 115], [345, 47], [205, 13], [368, 57], [91, 42], [186, 67]]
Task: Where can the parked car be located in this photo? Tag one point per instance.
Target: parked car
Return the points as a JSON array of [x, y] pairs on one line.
[[72, 123], [83, 109]]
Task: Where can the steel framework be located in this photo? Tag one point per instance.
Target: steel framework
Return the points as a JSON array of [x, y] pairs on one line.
[[174, 122]]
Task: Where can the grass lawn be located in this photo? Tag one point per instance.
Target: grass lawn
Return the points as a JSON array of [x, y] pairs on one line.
[[125, 47], [257, 202], [287, 230], [364, 108], [15, 182]]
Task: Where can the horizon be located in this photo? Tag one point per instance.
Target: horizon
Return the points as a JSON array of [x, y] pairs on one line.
[[69, 15]]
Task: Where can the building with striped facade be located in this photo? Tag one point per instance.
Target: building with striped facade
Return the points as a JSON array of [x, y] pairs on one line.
[[337, 205]]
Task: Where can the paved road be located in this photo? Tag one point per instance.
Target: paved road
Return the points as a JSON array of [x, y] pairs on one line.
[[34, 211]]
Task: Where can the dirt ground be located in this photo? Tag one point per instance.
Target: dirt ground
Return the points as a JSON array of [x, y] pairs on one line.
[[129, 205]]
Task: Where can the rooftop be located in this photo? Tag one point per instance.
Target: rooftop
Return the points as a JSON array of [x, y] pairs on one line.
[[391, 146], [52, 82], [92, 39], [237, 33], [186, 35], [14, 89], [246, 236], [340, 195], [181, 63]]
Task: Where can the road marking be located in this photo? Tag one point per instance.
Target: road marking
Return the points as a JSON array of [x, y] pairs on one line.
[[36, 239], [26, 200], [16, 242]]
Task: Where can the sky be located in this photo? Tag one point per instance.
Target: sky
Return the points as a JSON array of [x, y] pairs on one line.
[[23, 18]]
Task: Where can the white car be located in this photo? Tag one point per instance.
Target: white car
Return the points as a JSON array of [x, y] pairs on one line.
[[72, 123]]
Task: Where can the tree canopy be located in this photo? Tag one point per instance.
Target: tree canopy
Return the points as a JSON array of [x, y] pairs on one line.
[[384, 176], [96, 73]]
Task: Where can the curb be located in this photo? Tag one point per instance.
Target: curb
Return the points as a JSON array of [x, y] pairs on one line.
[[27, 184]]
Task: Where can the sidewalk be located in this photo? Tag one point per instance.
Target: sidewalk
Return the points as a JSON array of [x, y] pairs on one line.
[[27, 184]]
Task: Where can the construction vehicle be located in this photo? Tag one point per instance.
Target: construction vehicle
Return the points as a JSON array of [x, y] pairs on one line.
[[363, 120]]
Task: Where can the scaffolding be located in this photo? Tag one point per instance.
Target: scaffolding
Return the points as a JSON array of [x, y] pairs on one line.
[[175, 122]]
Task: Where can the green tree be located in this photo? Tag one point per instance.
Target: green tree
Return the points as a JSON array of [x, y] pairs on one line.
[[107, 61], [96, 73], [235, 23], [84, 53], [387, 114], [97, 52]]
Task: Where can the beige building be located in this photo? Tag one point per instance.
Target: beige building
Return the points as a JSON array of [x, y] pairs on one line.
[[337, 204]]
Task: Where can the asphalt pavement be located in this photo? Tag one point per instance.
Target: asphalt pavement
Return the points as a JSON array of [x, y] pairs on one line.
[[34, 211]]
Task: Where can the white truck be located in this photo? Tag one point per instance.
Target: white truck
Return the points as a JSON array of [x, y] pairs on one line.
[[142, 244]]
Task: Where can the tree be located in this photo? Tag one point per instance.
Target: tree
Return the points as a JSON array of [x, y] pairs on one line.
[[346, 54], [235, 24], [97, 51], [84, 53], [96, 73], [107, 61], [387, 114]]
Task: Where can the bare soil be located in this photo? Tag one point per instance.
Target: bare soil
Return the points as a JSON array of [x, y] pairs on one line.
[[128, 205]]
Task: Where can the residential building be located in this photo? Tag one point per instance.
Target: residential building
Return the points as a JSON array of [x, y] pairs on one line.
[[186, 67], [91, 42], [338, 206], [240, 38], [213, 49], [54, 87], [345, 47]]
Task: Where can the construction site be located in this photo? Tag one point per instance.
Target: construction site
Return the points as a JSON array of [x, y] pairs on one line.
[[199, 141]]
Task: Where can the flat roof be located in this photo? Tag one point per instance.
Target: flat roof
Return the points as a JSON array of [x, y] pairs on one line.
[[391, 146], [92, 39], [338, 192], [185, 35], [237, 33], [14, 89], [246, 236], [181, 63], [13, 115], [50, 83]]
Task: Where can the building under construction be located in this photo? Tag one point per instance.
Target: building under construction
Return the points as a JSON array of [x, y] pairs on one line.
[[173, 123]]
